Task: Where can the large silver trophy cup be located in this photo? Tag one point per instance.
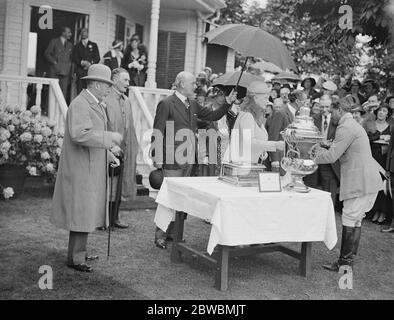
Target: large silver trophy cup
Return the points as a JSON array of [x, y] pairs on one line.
[[302, 138]]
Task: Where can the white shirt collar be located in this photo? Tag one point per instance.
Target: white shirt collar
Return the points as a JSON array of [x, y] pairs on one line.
[[95, 99], [181, 96], [63, 40]]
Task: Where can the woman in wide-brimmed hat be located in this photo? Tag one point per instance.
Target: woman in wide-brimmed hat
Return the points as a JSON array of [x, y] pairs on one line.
[[309, 88]]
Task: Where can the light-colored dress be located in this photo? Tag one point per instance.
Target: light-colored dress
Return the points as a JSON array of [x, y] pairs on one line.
[[248, 141]]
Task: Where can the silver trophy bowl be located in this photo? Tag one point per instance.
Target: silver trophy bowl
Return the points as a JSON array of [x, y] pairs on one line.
[[302, 139]]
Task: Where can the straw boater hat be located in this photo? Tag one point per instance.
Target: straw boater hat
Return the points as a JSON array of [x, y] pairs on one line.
[[313, 82], [99, 72], [329, 85]]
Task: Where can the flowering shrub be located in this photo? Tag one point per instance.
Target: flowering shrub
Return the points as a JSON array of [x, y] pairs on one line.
[[29, 141], [6, 192]]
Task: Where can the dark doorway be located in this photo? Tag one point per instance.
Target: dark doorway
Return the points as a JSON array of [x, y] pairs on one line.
[[216, 58], [171, 51], [41, 38]]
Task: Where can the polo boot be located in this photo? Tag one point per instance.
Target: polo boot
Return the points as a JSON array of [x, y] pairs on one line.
[[356, 243], [346, 255]]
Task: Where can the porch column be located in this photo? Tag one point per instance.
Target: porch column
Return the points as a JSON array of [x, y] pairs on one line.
[[153, 39], [199, 49]]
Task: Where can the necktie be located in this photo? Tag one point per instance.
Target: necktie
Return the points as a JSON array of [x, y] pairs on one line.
[[187, 103], [325, 124]]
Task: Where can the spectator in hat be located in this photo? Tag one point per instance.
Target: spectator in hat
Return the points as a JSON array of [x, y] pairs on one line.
[[329, 87], [355, 88], [113, 58], [80, 203], [135, 61], [276, 85], [370, 88], [390, 102], [309, 84], [358, 113], [202, 81], [371, 104], [379, 153]]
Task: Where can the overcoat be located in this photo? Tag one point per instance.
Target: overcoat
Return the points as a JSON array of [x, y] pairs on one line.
[[359, 171], [117, 104], [79, 200]]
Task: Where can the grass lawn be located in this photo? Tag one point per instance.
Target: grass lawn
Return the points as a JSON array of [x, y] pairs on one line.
[[139, 270]]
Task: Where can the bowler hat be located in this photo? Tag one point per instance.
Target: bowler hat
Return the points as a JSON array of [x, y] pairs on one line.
[[313, 82], [156, 178], [99, 72]]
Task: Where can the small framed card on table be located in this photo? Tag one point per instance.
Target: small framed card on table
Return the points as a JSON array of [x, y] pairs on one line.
[[269, 182]]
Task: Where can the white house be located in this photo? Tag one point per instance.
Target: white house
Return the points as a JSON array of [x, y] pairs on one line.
[[170, 29]]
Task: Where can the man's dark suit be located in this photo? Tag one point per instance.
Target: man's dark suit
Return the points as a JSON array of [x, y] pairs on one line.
[[60, 58], [328, 175], [390, 165], [276, 123], [173, 109], [89, 53]]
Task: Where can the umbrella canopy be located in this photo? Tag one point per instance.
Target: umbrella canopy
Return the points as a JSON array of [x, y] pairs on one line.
[[265, 66], [286, 76], [253, 42], [231, 78]]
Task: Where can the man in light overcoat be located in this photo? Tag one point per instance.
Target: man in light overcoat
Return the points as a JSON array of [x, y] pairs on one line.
[[81, 189], [360, 178]]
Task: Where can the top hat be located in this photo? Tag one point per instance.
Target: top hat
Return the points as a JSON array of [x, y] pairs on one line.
[[313, 82], [99, 72]]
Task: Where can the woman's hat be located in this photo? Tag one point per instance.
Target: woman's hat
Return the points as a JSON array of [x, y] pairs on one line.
[[99, 72], [313, 82], [355, 82], [156, 178], [357, 108], [389, 110], [388, 99]]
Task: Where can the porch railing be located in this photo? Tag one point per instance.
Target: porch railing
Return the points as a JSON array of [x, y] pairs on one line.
[[144, 102], [28, 91]]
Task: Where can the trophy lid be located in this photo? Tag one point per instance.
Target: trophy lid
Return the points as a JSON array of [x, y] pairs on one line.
[[303, 126]]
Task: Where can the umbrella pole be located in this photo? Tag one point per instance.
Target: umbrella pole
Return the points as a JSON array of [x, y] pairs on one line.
[[242, 71]]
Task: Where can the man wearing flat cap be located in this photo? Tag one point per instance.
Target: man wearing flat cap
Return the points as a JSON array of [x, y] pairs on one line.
[[80, 196]]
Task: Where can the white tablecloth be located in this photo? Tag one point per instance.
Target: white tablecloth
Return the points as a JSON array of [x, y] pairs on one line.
[[243, 215]]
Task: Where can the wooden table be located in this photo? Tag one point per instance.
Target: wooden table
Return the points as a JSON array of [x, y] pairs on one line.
[[245, 222], [220, 258]]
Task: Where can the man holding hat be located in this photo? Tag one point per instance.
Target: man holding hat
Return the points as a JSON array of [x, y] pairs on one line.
[[79, 200]]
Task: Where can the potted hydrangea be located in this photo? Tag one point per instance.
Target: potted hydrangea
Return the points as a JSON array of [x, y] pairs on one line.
[[29, 144]]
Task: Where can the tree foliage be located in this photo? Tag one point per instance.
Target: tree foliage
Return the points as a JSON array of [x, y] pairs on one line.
[[311, 31]]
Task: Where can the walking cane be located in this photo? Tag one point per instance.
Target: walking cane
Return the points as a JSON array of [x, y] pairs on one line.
[[110, 212]]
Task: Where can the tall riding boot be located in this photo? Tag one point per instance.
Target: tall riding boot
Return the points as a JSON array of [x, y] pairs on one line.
[[346, 255], [357, 235]]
